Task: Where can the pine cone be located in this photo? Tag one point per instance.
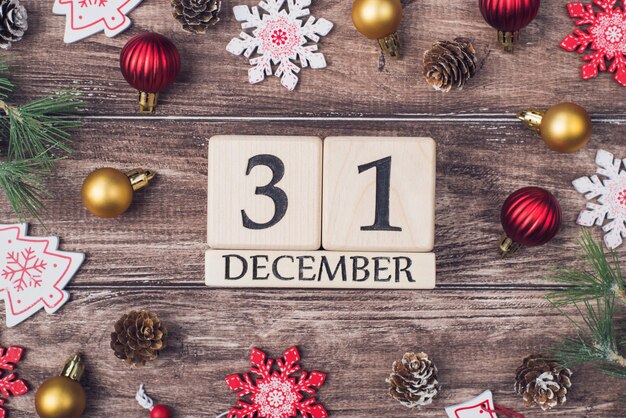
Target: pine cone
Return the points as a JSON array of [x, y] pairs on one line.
[[450, 64], [197, 15], [413, 381], [542, 382], [138, 337], [13, 22]]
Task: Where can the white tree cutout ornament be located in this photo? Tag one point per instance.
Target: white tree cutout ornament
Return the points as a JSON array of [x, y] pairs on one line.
[[610, 195], [87, 17], [33, 273], [279, 38]]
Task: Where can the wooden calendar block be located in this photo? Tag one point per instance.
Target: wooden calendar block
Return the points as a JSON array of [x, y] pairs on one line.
[[319, 269], [265, 192], [379, 194]]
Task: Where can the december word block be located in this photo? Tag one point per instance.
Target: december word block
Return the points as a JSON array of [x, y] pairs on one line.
[[265, 192], [319, 269], [379, 194]]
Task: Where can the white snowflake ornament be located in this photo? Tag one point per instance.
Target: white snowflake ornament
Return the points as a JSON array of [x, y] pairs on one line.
[[279, 37], [87, 17], [610, 195]]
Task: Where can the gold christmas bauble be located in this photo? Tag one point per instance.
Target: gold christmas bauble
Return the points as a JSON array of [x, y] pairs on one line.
[[108, 192], [376, 19], [566, 127], [60, 397]]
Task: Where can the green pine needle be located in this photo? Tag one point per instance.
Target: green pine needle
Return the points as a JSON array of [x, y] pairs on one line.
[[34, 131], [593, 294], [32, 138], [22, 183], [602, 280]]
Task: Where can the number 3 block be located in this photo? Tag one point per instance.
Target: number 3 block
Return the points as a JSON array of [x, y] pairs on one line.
[[379, 194], [265, 192]]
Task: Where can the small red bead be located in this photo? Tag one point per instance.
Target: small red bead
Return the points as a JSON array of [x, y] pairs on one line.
[[161, 411]]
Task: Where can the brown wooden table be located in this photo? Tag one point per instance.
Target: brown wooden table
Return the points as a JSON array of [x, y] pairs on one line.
[[486, 313]]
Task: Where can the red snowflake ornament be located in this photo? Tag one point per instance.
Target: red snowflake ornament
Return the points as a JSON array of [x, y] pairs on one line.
[[9, 385], [274, 393], [605, 35]]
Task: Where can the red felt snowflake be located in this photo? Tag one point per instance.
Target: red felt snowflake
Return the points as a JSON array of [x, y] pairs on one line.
[[604, 33], [274, 393], [9, 385]]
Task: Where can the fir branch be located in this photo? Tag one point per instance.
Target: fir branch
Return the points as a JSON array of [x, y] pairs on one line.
[[34, 136], [603, 280], [596, 338], [6, 87], [22, 183], [38, 128], [593, 294]]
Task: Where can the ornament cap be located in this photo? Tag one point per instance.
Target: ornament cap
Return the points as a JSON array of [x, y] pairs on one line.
[[532, 119], [139, 178], [74, 368], [391, 45], [147, 101], [506, 246], [508, 40]]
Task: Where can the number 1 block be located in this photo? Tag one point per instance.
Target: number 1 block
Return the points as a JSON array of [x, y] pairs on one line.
[[379, 194], [265, 192]]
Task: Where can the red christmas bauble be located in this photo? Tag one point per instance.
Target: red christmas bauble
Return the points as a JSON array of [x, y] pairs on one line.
[[150, 63], [530, 216], [161, 411], [508, 17]]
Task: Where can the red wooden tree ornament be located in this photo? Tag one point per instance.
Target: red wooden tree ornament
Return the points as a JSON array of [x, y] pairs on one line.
[[530, 216], [150, 63], [509, 17]]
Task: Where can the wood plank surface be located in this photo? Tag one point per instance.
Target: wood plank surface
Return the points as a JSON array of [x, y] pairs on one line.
[[486, 313], [214, 82], [477, 340], [161, 240]]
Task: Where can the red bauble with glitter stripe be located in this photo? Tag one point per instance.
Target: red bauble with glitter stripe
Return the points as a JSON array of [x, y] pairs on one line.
[[150, 63], [530, 216]]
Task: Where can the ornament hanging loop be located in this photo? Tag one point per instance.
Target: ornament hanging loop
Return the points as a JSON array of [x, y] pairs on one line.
[[508, 40], [139, 178], [391, 45], [506, 246], [532, 119]]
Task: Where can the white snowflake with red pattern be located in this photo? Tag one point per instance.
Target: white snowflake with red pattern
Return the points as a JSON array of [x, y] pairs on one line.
[[272, 393], [9, 384], [279, 38], [604, 33], [33, 273], [87, 17], [609, 208]]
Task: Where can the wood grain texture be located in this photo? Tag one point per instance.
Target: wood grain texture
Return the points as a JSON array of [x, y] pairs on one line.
[[486, 313], [161, 240], [214, 82], [476, 339]]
